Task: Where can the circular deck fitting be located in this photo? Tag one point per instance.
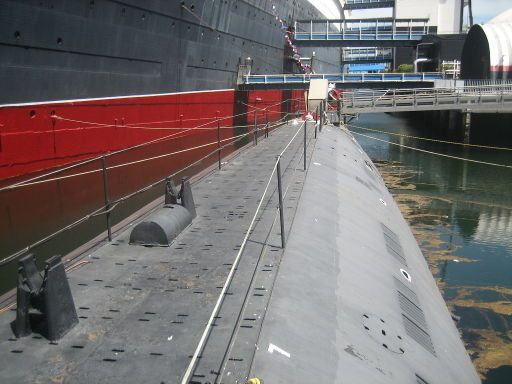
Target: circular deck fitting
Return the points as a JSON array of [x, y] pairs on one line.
[[383, 333], [406, 275]]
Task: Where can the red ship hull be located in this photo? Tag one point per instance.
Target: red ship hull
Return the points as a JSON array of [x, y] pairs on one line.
[[40, 136]]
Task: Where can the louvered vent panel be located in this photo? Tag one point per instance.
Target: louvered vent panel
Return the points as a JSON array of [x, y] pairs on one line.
[[408, 292], [412, 310], [399, 256], [418, 334], [390, 233]]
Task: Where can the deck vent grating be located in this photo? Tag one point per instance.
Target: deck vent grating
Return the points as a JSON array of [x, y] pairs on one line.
[[418, 334], [406, 291], [393, 244], [399, 256], [390, 233], [420, 380], [363, 182], [412, 310]]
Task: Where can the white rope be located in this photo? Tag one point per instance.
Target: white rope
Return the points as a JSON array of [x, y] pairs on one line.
[[204, 336], [188, 372], [435, 153], [173, 135], [125, 164], [429, 139]]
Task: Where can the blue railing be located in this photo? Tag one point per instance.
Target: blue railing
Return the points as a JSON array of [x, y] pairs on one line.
[[343, 78], [367, 54], [361, 29], [366, 4]]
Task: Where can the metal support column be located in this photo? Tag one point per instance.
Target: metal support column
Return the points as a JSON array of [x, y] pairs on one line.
[[321, 116], [266, 123], [467, 126], [255, 127], [280, 191], [107, 198], [339, 112], [305, 143], [218, 140]]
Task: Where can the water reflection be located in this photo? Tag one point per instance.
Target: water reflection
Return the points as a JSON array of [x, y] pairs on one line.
[[461, 215]]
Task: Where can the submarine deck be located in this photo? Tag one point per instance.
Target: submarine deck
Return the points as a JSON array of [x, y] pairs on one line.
[[333, 306]]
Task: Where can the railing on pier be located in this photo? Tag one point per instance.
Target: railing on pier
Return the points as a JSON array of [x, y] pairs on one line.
[[367, 4], [340, 78], [379, 29], [491, 98]]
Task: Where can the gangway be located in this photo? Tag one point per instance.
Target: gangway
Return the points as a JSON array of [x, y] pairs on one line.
[[483, 99], [366, 55], [361, 32], [342, 80], [367, 4]]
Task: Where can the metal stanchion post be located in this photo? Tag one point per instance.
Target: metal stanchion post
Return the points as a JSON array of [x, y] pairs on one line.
[[106, 195], [266, 123], [321, 116], [280, 190], [339, 112], [218, 139], [305, 139], [255, 127]]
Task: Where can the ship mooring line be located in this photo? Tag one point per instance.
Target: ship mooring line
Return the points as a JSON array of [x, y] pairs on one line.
[[434, 153], [115, 203], [429, 139], [188, 373], [87, 161], [129, 163], [234, 333]]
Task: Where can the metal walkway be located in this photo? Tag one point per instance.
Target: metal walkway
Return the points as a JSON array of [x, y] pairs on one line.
[[489, 99], [142, 309], [361, 32], [366, 55], [342, 80], [367, 4]]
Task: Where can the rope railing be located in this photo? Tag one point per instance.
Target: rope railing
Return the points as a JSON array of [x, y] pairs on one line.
[[429, 139], [110, 206], [434, 153], [146, 143], [275, 170]]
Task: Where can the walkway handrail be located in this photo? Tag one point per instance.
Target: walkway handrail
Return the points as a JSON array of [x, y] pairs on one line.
[[109, 206], [361, 29], [295, 78], [220, 299], [437, 98]]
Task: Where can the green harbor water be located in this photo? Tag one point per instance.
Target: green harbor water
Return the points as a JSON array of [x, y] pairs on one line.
[[461, 215]]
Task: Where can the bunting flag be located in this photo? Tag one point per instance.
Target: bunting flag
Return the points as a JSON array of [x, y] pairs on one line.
[[288, 36]]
